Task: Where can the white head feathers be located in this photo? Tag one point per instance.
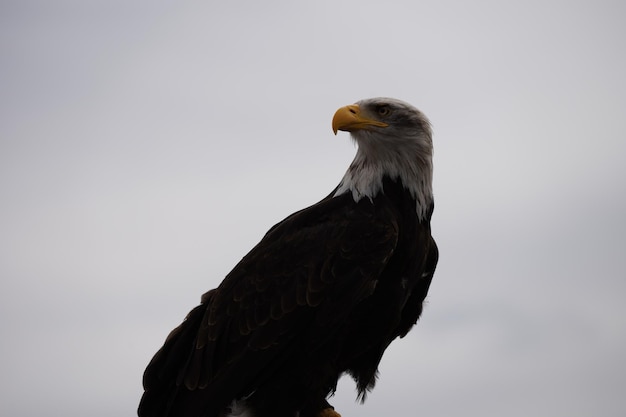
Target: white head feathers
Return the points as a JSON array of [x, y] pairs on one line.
[[394, 140]]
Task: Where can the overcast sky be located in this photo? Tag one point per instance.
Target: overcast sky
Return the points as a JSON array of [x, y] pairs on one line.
[[146, 146]]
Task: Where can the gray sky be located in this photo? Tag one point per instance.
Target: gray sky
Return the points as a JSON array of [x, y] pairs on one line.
[[146, 146]]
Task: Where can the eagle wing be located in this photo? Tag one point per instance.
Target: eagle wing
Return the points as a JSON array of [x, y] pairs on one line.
[[301, 281]]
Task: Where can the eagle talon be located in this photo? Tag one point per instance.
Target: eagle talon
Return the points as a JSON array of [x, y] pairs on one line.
[[328, 412]]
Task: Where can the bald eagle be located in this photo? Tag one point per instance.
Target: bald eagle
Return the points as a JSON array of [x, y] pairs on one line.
[[321, 295]]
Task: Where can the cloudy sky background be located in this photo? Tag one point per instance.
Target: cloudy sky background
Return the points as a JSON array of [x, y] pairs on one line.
[[146, 146]]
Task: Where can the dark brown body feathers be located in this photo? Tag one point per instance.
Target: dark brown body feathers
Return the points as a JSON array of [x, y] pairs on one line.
[[323, 293]]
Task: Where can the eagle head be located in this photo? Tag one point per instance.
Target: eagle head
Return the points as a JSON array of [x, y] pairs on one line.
[[394, 140], [384, 119]]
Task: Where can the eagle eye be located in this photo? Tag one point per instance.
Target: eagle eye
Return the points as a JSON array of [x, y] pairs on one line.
[[383, 110]]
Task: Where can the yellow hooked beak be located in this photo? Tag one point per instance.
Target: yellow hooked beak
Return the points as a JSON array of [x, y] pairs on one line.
[[351, 118]]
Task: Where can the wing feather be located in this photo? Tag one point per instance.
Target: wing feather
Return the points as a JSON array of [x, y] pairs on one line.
[[301, 281]]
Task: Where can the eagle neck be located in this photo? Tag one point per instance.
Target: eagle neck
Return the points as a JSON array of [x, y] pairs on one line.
[[411, 167]]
